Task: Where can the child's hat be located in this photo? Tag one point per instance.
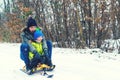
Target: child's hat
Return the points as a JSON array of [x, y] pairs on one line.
[[37, 34]]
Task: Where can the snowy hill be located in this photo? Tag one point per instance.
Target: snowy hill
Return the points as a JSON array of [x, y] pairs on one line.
[[71, 64]]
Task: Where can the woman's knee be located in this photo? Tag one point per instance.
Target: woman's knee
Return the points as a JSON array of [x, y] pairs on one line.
[[49, 43], [24, 47]]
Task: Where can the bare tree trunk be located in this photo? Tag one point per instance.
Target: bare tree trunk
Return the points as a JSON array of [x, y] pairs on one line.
[[89, 22]]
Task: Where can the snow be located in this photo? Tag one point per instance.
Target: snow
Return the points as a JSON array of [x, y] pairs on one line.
[[71, 64]]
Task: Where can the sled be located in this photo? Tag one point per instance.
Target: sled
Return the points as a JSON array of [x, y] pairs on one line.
[[39, 68], [42, 68]]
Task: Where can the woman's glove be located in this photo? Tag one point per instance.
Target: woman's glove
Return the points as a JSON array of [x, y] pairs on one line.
[[36, 55]]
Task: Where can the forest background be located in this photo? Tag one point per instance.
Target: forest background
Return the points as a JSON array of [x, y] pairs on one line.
[[68, 23]]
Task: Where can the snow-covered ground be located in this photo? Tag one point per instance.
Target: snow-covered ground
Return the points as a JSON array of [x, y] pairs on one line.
[[71, 64]]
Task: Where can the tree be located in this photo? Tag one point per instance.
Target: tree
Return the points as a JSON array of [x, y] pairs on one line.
[[69, 23]]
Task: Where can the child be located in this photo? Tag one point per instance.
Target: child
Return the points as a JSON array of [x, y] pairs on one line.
[[42, 57], [38, 36]]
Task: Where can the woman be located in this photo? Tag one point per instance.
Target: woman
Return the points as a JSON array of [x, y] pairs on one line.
[[27, 37]]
